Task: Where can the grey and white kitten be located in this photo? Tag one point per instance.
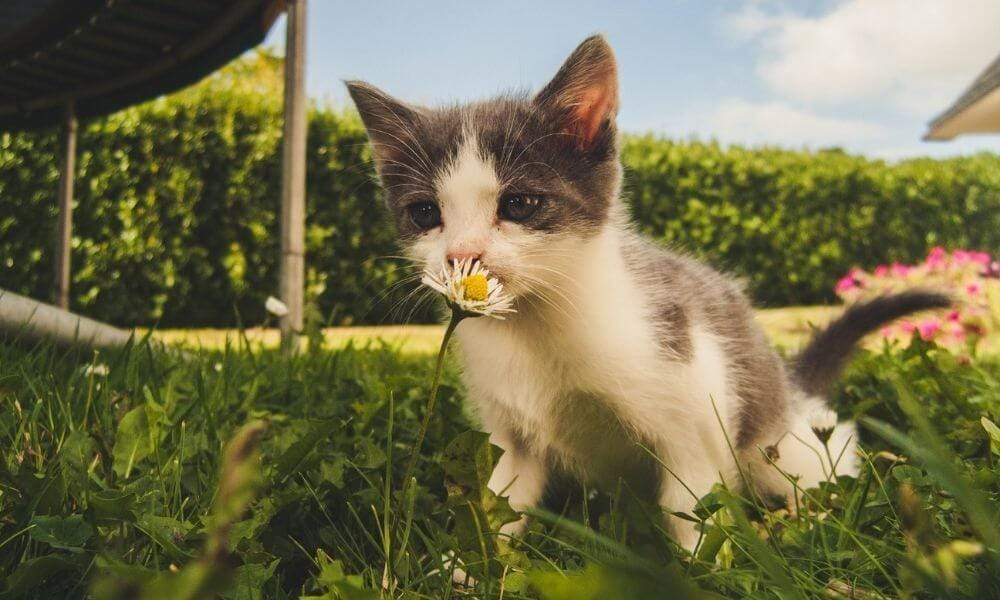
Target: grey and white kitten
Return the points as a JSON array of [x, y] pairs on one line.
[[619, 348]]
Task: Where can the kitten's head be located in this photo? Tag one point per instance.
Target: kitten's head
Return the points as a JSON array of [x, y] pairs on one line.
[[518, 182]]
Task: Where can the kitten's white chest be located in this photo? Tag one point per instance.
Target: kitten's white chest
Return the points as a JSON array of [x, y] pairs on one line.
[[598, 392], [551, 392], [572, 391]]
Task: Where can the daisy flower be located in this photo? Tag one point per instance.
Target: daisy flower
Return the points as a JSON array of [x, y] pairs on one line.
[[275, 307], [822, 422], [469, 290], [96, 369]]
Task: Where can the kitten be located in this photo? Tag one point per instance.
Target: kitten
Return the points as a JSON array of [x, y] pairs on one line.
[[619, 348]]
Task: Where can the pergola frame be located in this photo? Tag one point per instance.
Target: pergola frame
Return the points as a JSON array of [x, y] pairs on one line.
[[291, 273], [292, 218], [64, 235]]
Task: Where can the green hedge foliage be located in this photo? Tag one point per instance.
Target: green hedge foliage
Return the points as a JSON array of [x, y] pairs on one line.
[[791, 223], [176, 211]]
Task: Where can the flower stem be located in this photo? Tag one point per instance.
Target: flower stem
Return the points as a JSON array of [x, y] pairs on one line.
[[829, 456], [431, 401]]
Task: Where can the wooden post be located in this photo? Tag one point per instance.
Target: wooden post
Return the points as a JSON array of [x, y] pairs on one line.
[[64, 241], [293, 177]]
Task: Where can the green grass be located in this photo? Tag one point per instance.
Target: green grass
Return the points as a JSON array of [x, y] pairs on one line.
[[118, 486], [787, 327]]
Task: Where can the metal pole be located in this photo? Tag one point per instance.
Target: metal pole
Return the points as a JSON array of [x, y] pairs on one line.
[[293, 177], [64, 241]]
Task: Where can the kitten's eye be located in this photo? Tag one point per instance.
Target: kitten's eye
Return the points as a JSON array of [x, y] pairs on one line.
[[518, 208], [425, 215]]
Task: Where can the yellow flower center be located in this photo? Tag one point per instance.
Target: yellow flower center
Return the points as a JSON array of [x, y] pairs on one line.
[[475, 287]]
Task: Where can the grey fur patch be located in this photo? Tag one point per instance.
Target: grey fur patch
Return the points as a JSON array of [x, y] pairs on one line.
[[685, 291]]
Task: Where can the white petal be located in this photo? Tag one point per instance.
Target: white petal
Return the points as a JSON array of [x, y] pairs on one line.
[[99, 370], [823, 419], [276, 307], [434, 284]]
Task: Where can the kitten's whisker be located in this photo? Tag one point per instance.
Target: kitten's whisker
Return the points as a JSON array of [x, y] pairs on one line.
[[420, 175], [536, 162], [535, 141], [422, 299], [409, 131], [541, 289], [510, 152], [403, 303], [410, 151]]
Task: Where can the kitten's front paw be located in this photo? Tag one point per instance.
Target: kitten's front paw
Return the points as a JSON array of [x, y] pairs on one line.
[[458, 575], [685, 533]]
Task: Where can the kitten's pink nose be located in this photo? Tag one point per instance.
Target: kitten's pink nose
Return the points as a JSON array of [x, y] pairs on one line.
[[454, 255]]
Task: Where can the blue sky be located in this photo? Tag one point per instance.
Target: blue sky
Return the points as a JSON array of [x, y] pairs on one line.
[[865, 75]]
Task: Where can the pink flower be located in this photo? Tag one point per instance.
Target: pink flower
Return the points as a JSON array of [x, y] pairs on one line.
[[982, 258], [886, 331], [881, 270], [844, 284], [954, 316], [957, 331], [906, 326], [928, 328], [900, 270], [974, 288], [936, 257], [850, 281], [961, 256]]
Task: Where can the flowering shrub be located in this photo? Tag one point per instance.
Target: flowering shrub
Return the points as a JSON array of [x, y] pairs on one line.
[[971, 277]]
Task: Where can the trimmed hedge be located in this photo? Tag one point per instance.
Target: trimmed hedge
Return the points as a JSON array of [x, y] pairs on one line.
[[176, 211], [177, 200], [791, 223]]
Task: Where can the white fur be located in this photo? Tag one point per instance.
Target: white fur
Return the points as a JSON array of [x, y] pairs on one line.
[[802, 461], [577, 377]]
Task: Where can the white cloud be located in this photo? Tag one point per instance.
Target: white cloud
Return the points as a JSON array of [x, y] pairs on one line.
[[753, 123], [910, 55]]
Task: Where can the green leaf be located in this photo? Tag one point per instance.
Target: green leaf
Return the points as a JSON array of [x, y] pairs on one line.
[[133, 442], [332, 471], [909, 474], [111, 506], [248, 581], [994, 432], [67, 533], [168, 533], [292, 459], [616, 581], [470, 458], [37, 573], [342, 586], [940, 464], [769, 562], [369, 454], [77, 451]]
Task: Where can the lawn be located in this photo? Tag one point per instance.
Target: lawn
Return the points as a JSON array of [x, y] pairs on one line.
[[787, 328], [115, 481]]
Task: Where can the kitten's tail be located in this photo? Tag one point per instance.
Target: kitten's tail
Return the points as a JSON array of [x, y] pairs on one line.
[[821, 361]]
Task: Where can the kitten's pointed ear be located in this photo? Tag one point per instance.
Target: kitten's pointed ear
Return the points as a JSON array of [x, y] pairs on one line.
[[389, 122], [584, 93]]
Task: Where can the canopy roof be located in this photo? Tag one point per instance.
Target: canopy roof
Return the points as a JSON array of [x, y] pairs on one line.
[[103, 55], [975, 111]]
